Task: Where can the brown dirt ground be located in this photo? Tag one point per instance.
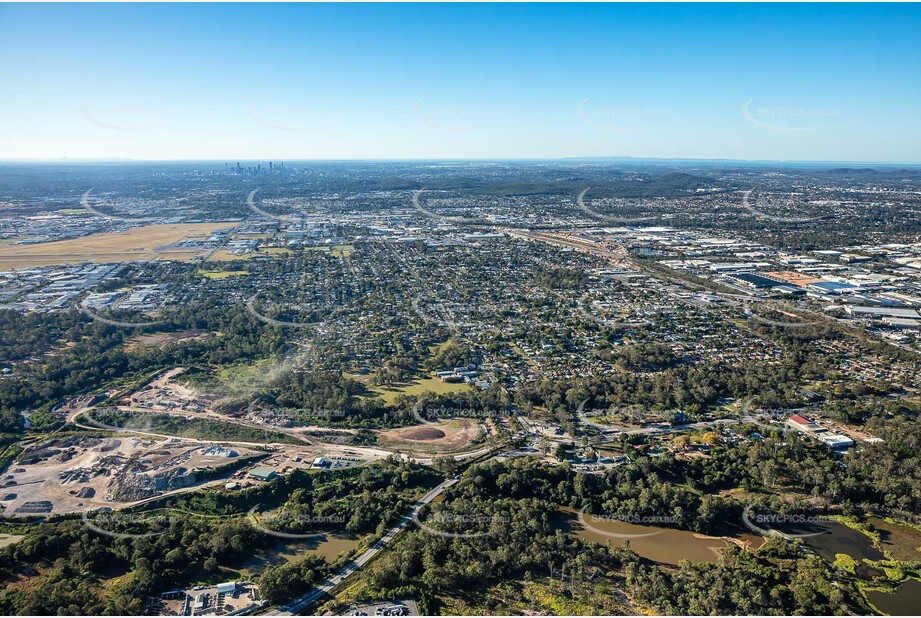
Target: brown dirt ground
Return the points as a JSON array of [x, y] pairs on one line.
[[454, 435]]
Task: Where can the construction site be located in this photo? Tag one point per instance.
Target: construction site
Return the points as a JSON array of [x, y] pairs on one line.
[[80, 473], [130, 455]]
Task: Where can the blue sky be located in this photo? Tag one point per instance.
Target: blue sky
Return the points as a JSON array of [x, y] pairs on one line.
[[258, 81]]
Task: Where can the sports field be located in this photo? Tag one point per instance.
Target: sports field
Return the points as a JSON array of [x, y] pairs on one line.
[[140, 243], [335, 250]]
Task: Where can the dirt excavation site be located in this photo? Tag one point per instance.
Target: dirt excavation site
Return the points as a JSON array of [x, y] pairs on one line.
[[80, 473]]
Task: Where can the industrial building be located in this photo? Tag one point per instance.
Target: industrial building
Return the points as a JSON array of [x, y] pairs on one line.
[[262, 474]]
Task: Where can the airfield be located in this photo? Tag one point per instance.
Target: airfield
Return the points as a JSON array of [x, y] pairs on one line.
[[183, 241]]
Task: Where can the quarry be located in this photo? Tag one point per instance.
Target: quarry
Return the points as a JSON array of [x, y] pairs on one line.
[[83, 472]]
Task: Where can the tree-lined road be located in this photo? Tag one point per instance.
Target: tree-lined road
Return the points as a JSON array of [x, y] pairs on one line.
[[293, 607]]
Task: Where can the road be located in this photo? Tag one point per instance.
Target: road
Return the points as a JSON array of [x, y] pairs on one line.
[[293, 607], [621, 256], [657, 430], [751, 419]]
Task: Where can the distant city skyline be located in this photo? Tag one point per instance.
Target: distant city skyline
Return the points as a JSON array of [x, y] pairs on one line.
[[744, 82]]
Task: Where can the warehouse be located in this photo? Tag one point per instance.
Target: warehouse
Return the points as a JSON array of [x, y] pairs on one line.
[[879, 312], [755, 280], [262, 474]]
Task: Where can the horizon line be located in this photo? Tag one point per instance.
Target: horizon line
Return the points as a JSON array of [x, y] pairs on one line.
[[129, 160]]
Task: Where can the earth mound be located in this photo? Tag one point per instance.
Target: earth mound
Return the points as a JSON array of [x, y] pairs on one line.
[[422, 433]]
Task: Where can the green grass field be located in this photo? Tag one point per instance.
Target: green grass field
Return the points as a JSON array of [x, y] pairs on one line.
[[390, 393], [335, 250], [234, 380], [221, 274]]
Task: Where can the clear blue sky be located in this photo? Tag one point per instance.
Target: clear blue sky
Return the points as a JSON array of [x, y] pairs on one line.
[[258, 81]]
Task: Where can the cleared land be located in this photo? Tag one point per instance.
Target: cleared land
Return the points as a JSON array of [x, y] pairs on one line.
[[223, 255], [191, 427], [161, 340], [140, 243], [222, 274], [82, 472], [9, 539], [416, 387], [235, 380], [449, 436]]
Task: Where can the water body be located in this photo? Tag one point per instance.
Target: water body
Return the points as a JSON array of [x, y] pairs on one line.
[[901, 541], [905, 601], [327, 545], [830, 538], [664, 545], [330, 545]]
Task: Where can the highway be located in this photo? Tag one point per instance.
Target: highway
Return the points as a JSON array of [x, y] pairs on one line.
[[620, 256], [656, 430], [293, 607]]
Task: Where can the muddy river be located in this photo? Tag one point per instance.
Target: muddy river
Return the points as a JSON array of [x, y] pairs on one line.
[[665, 545], [906, 601]]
